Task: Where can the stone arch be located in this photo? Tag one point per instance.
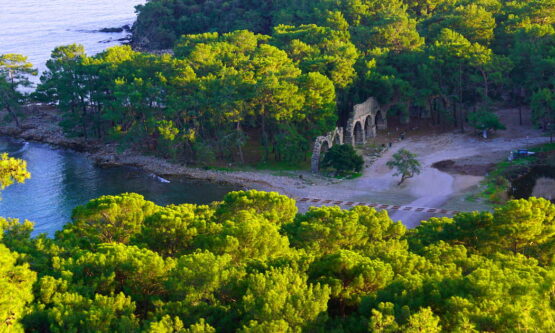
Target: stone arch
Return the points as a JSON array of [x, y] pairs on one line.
[[322, 145], [358, 133], [362, 124], [369, 127], [324, 149], [337, 138]]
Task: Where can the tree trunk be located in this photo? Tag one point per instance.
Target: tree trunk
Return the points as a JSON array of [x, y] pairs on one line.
[[14, 116], [455, 115], [403, 178], [461, 118], [241, 156], [486, 84]]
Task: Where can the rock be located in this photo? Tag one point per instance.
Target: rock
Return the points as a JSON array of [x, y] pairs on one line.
[[106, 161], [112, 30]]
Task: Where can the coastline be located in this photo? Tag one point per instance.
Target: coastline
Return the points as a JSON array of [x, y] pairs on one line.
[[41, 125]]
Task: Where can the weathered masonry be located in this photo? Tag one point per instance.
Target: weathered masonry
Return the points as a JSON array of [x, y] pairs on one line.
[[362, 125]]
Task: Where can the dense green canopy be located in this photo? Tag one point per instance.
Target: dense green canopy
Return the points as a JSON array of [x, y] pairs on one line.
[[251, 263], [254, 81]]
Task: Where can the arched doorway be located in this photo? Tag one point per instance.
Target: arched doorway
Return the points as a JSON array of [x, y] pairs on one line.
[[359, 133], [337, 139], [369, 127], [321, 147], [380, 121], [324, 149]]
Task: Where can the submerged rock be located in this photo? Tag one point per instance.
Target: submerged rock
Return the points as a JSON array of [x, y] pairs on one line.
[[112, 30]]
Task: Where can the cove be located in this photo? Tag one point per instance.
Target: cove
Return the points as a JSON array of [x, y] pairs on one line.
[[62, 179]]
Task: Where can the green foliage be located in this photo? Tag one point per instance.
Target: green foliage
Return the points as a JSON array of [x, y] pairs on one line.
[[206, 103], [108, 219], [423, 321], [199, 277], [230, 267], [281, 73], [265, 78], [343, 159], [283, 294], [249, 236], [116, 268], [14, 75], [274, 207], [319, 49], [71, 312], [171, 231], [326, 230], [485, 121], [16, 282], [351, 277], [405, 164], [486, 232], [543, 109], [12, 170]]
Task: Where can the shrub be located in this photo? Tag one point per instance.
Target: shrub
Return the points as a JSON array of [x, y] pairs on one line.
[[343, 159]]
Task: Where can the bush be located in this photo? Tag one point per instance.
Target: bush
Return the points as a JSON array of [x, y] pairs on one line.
[[485, 121], [343, 159]]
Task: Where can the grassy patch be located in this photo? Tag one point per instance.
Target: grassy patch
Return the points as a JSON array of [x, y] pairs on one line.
[[471, 198], [354, 175], [218, 168], [282, 166], [497, 184], [548, 147]]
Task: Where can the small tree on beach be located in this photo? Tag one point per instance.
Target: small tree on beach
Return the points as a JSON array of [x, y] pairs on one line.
[[405, 164]]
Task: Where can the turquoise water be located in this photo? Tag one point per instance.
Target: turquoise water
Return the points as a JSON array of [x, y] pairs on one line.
[[63, 179]]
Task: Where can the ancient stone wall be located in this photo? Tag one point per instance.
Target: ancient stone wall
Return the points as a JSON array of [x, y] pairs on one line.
[[363, 124], [322, 144]]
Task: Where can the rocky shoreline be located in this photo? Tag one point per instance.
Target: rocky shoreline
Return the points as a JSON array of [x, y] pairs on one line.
[[41, 125]]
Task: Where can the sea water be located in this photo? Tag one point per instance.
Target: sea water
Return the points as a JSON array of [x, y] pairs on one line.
[[34, 28]]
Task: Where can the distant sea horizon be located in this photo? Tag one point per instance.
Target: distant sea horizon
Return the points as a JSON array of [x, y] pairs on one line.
[[34, 28]]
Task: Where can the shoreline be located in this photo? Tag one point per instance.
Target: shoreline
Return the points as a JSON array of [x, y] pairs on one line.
[[41, 126]]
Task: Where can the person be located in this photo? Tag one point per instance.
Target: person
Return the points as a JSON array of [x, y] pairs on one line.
[[390, 144]]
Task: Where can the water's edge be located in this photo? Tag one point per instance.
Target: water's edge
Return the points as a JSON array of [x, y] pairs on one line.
[[41, 127], [62, 179]]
